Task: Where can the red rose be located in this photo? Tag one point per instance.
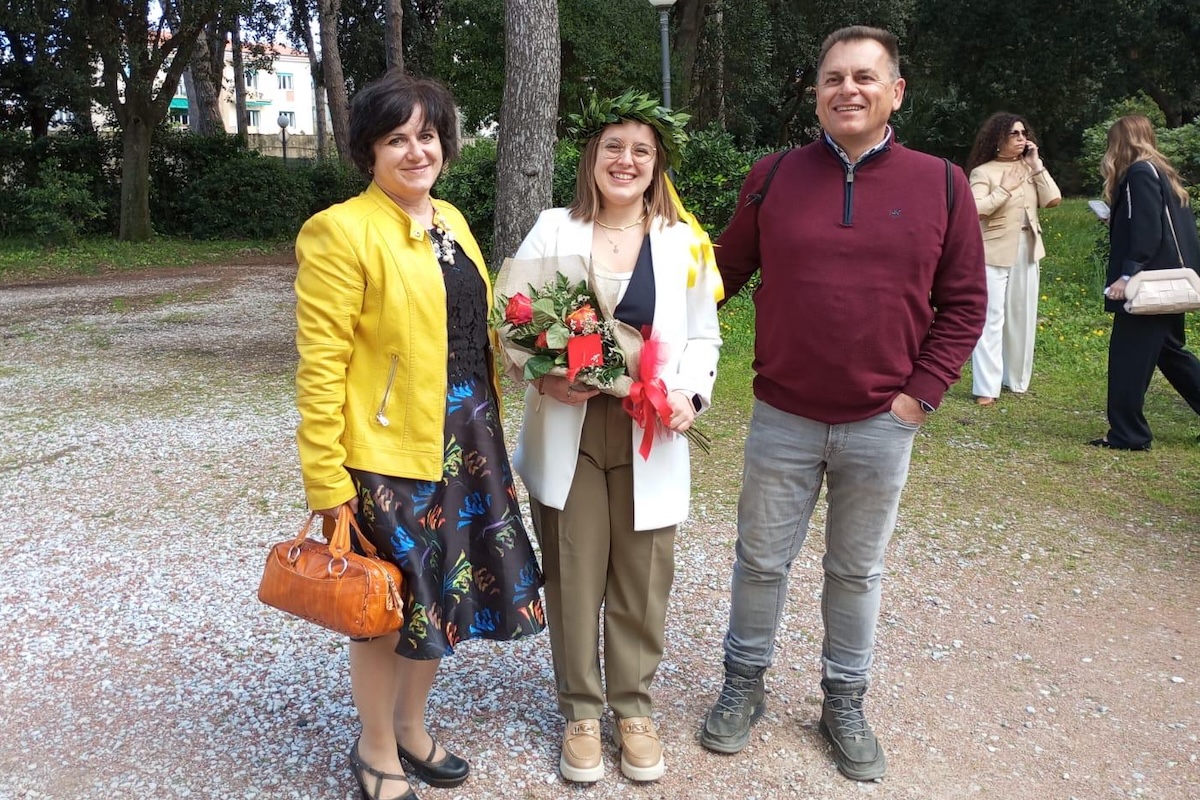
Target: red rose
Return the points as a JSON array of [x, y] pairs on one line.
[[519, 310], [582, 319], [541, 342]]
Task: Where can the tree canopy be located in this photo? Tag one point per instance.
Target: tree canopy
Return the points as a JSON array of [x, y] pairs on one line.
[[745, 67]]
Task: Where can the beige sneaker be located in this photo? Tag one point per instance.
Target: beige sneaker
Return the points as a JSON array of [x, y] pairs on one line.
[[580, 761], [641, 752]]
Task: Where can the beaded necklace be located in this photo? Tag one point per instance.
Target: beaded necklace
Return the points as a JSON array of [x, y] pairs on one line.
[[443, 244]]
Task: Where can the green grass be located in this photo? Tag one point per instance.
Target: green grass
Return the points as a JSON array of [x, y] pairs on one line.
[[22, 260], [1028, 451]]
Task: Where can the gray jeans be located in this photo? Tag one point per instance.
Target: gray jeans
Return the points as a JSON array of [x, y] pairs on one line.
[[865, 465]]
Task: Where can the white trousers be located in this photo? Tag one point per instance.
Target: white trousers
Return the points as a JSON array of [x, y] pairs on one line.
[[1004, 353]]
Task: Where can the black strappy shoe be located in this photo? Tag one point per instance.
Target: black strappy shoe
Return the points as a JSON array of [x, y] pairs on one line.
[[451, 771], [358, 767]]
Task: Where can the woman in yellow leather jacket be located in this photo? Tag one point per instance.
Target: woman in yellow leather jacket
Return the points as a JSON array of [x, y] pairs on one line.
[[399, 421]]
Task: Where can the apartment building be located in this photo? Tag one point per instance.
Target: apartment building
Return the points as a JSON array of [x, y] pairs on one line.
[[285, 88]]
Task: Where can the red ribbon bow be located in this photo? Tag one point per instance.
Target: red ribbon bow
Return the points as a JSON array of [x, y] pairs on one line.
[[647, 401], [647, 404]]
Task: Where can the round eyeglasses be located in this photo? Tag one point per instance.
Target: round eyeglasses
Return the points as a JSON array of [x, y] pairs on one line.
[[615, 148]]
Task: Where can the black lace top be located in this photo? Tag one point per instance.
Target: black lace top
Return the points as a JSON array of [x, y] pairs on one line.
[[466, 315]]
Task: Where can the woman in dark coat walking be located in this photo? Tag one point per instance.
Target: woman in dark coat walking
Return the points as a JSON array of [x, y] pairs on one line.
[[1151, 226]]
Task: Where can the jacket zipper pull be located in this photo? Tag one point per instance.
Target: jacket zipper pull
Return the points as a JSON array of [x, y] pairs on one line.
[[380, 415]]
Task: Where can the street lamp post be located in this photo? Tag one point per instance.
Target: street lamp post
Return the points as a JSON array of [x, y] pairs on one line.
[[664, 10], [283, 121]]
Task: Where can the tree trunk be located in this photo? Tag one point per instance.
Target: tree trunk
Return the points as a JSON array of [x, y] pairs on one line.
[[301, 16], [135, 175], [1170, 106], [707, 95], [204, 87], [689, 30], [525, 151], [239, 83], [335, 81], [394, 39], [140, 71]]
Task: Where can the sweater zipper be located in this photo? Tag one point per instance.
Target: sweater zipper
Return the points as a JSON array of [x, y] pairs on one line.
[[848, 206], [380, 416], [848, 200]]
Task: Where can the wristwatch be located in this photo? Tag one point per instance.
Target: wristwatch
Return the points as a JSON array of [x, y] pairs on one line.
[[928, 409]]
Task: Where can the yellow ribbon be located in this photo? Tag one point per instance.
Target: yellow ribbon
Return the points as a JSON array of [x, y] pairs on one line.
[[703, 254]]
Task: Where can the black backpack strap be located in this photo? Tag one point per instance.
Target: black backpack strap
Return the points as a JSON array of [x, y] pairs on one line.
[[758, 197], [949, 187]]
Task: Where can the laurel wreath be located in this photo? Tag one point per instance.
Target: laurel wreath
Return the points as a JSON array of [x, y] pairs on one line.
[[637, 106]]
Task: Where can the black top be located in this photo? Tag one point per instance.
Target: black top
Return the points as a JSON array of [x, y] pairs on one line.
[[637, 306], [466, 316], [1138, 234]]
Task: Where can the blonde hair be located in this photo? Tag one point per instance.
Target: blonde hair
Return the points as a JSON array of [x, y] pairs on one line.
[[1131, 139], [586, 204]]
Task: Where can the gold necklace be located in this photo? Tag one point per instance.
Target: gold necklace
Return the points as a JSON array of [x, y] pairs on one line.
[[637, 221], [619, 229], [616, 249]]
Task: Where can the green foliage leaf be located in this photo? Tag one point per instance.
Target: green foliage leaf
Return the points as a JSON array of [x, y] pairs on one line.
[[537, 366], [544, 313], [557, 336]]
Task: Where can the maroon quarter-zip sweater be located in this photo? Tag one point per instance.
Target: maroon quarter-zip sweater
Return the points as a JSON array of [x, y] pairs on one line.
[[871, 285]]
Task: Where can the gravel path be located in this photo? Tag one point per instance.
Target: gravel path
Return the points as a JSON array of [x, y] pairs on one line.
[[147, 460]]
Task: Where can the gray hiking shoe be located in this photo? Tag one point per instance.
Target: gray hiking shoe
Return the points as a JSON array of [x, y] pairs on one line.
[[742, 702], [856, 751]]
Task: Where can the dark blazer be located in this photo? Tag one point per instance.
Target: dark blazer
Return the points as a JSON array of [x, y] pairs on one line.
[[1138, 235]]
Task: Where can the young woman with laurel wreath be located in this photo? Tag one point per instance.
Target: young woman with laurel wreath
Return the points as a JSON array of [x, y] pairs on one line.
[[605, 513]]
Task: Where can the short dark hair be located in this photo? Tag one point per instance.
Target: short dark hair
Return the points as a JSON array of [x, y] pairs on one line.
[[388, 102], [992, 134], [856, 33]]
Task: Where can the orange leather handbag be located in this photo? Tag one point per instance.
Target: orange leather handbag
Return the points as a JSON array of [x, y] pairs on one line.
[[329, 584]]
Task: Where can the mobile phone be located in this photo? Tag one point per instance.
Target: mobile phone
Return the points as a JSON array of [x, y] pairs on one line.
[[1028, 147]]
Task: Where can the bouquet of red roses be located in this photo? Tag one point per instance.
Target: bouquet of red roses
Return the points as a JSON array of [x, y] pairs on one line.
[[560, 330]]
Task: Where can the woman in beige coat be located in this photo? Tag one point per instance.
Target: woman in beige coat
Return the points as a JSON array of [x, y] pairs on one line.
[[1010, 184]]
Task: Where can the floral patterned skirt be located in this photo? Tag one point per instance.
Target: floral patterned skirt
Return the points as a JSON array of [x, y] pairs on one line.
[[469, 568]]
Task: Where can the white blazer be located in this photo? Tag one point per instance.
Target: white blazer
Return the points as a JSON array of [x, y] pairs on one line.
[[685, 318]]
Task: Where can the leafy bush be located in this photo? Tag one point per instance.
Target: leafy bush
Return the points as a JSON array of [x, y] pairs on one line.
[[178, 161], [248, 197], [470, 184], [35, 180], [56, 209], [711, 175], [1180, 145], [332, 181], [566, 164]]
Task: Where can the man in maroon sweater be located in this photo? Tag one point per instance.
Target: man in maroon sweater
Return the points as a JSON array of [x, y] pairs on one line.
[[873, 295]]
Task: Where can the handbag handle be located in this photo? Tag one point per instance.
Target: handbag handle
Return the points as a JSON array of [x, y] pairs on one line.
[[1167, 211], [1171, 225], [339, 539]]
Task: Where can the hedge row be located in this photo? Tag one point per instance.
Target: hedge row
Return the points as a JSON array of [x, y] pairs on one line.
[[64, 186]]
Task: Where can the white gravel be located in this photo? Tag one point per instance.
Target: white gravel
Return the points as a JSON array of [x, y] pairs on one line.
[[147, 460]]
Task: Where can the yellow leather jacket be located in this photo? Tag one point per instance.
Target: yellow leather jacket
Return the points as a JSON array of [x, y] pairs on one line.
[[371, 333]]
